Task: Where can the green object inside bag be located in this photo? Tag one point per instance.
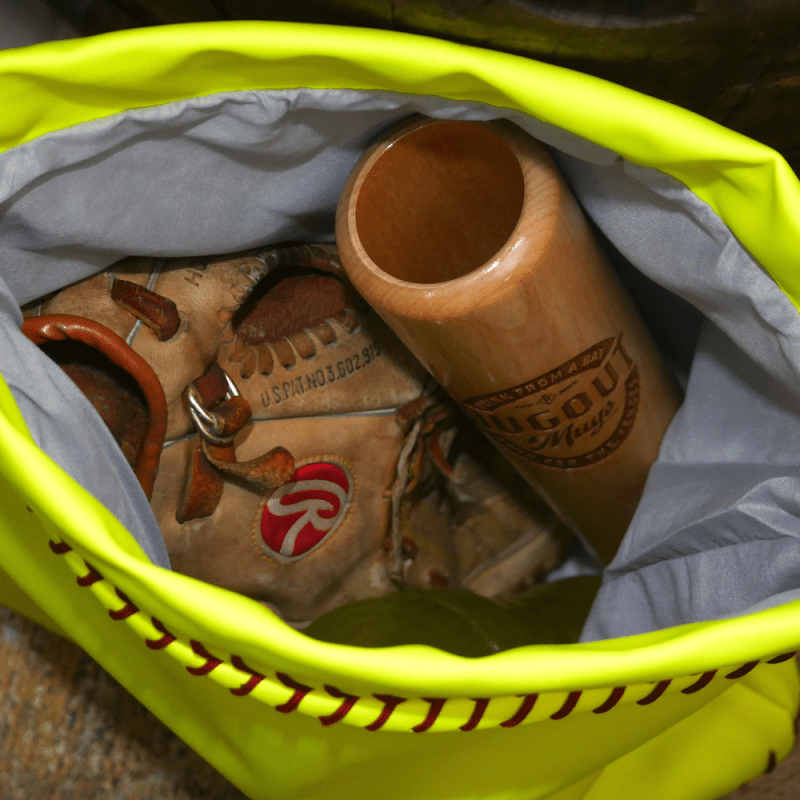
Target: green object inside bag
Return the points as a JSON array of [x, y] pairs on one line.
[[461, 622]]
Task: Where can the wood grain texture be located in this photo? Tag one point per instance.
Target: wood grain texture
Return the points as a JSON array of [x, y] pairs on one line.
[[466, 240]]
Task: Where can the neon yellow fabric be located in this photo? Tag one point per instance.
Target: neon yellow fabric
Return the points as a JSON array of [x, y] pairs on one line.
[[55, 85], [285, 716], [706, 754]]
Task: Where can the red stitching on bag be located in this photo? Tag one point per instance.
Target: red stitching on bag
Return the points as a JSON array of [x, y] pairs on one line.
[[437, 704], [661, 687], [348, 701], [212, 662], [128, 610], [613, 699], [782, 658], [772, 762], [166, 639], [481, 704], [569, 705], [300, 691], [91, 577], [703, 681], [743, 670], [390, 703], [253, 681], [522, 712]]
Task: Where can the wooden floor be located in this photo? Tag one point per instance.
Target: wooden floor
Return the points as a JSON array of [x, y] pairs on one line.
[[68, 731]]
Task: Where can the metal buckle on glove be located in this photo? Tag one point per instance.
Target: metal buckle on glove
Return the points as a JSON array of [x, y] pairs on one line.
[[214, 458], [208, 423]]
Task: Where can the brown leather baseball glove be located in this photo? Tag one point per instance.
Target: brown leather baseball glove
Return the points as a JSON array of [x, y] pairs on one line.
[[291, 447]]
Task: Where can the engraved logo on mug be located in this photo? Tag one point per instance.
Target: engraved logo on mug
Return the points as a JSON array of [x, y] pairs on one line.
[[574, 415], [305, 510]]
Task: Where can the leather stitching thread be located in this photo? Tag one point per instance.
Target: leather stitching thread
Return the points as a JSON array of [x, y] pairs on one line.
[[263, 358]]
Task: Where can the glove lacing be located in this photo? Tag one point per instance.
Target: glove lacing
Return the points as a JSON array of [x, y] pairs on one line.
[[422, 419]]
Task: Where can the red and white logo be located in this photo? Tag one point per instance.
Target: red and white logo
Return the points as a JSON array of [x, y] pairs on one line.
[[305, 510]]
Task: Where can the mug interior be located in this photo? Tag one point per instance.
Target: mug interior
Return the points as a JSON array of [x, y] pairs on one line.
[[439, 202]]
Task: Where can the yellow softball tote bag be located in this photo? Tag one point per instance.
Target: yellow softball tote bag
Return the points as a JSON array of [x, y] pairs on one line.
[[168, 146]]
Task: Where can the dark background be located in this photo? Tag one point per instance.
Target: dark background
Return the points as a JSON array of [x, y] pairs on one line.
[[734, 61]]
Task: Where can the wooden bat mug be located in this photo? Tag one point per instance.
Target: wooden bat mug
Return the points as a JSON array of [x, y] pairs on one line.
[[466, 240]]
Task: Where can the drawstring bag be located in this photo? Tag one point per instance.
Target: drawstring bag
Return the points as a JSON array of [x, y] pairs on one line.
[[213, 138]]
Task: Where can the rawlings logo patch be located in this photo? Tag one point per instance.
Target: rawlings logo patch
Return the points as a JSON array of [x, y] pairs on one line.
[[305, 510]]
